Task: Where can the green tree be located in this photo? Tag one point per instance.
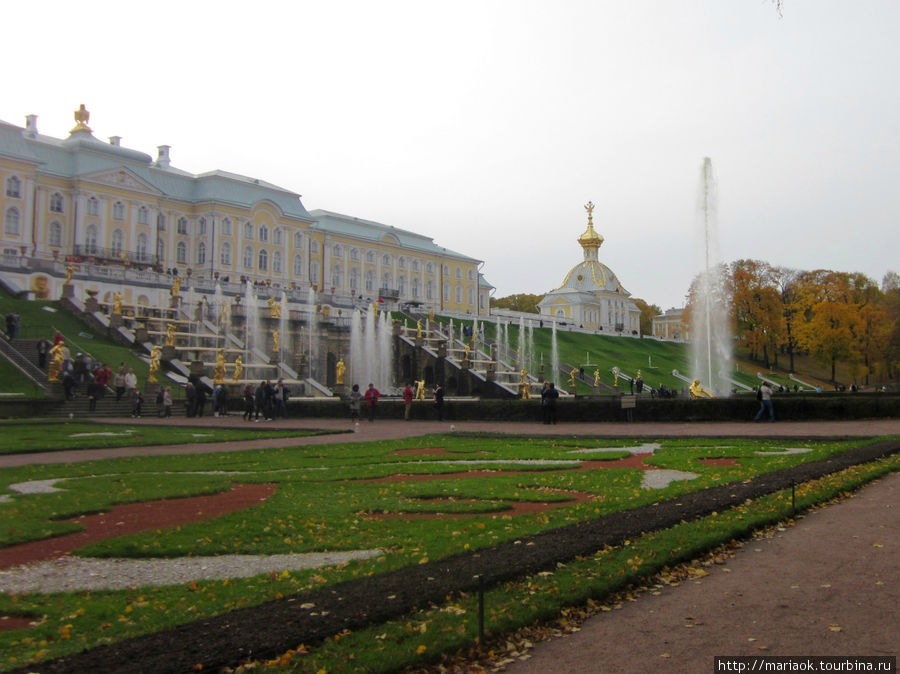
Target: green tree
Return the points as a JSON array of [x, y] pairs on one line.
[[648, 311], [518, 302]]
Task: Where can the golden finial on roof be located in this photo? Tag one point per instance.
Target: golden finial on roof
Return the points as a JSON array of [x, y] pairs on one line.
[[590, 239], [82, 116]]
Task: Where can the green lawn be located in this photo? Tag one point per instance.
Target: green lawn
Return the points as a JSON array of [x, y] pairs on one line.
[[326, 500]]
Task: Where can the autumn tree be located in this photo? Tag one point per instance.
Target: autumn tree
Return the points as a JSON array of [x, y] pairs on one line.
[[648, 311], [518, 302], [757, 308]]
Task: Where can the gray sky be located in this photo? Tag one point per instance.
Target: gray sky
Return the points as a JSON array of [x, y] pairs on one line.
[[489, 124]]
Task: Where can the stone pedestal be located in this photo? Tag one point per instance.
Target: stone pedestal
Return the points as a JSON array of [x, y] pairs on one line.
[[68, 292], [115, 321], [442, 350], [340, 390], [572, 390], [91, 305], [197, 367], [174, 302], [140, 334], [168, 352]]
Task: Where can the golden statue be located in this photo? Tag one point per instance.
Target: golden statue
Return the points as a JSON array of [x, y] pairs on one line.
[[431, 315], [420, 389], [697, 391], [341, 369], [117, 303], [219, 373], [597, 377], [238, 369], [276, 341], [572, 377], [524, 386], [154, 364], [223, 313], [616, 376], [82, 116], [176, 287], [419, 329], [170, 334], [274, 307], [70, 270], [466, 357], [375, 308], [589, 207], [57, 355]]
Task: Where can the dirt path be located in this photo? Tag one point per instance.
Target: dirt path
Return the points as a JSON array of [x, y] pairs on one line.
[[826, 586]]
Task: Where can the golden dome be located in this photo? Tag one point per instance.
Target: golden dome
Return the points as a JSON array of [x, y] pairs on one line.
[[590, 240]]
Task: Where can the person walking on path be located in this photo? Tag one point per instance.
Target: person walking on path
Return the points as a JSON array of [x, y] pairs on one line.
[[764, 395], [137, 401], [167, 401], [439, 401], [407, 401], [248, 402], [130, 381], [119, 381], [355, 397], [372, 395], [190, 398]]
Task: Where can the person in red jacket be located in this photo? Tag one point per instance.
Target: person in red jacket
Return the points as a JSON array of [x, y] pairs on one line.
[[372, 394], [407, 401]]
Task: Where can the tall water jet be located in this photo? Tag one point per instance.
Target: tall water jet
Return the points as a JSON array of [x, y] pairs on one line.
[[554, 356], [313, 353], [283, 342], [710, 329], [251, 324]]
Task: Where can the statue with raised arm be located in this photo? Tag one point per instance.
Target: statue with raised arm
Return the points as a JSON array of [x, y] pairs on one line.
[[420, 389], [524, 386], [572, 377], [57, 357], [341, 369], [697, 391]]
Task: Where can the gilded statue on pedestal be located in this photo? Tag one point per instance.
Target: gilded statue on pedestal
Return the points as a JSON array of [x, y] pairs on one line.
[[57, 355], [341, 369], [154, 364], [170, 334], [276, 341], [176, 287], [238, 369], [70, 270], [597, 377], [420, 389], [274, 307], [117, 303], [697, 391], [219, 373]]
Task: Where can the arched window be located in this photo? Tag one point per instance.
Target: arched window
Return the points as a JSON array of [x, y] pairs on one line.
[[14, 187], [354, 279], [11, 222], [248, 231], [263, 259], [90, 240], [181, 227], [429, 268], [55, 236], [118, 211], [298, 240], [415, 288], [248, 257], [429, 290], [201, 253], [277, 236], [314, 271], [225, 254], [446, 291], [160, 250], [336, 250], [181, 253], [370, 280], [56, 203], [263, 233], [276, 262], [337, 273], [118, 242], [143, 216], [354, 254], [458, 272], [298, 266], [226, 227], [471, 295], [313, 247], [370, 257], [401, 285], [458, 294], [142, 248], [93, 206], [402, 262], [201, 226], [386, 261], [386, 280]]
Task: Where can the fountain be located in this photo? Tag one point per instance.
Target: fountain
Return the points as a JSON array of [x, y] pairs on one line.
[[554, 356], [312, 355], [284, 346], [710, 332], [371, 350]]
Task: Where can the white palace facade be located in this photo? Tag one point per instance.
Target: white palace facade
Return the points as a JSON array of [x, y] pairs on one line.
[[82, 203]]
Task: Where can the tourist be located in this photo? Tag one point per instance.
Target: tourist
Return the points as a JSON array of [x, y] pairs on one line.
[[259, 400], [160, 401], [407, 401], [549, 394], [283, 397], [92, 387], [355, 397], [137, 401], [43, 348], [764, 396], [190, 396], [167, 401], [372, 395], [639, 384], [119, 381], [201, 399], [248, 402], [439, 401], [130, 381]]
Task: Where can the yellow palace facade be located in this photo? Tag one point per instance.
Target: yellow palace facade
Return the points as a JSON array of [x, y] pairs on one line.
[[82, 202]]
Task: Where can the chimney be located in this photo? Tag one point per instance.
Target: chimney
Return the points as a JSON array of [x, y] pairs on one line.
[[163, 159], [31, 126], [115, 140]]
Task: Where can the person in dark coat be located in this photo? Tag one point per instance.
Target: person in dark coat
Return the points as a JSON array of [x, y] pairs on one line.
[[439, 401], [372, 395], [248, 402], [549, 394], [43, 348], [201, 400], [190, 396]]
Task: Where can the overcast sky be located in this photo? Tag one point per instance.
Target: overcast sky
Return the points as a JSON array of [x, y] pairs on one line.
[[488, 125]]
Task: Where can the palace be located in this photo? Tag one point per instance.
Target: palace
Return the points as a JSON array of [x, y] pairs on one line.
[[98, 207], [591, 295]]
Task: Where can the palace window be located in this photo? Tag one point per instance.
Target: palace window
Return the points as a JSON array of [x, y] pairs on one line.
[[471, 296], [298, 240], [263, 259], [118, 242], [93, 206], [446, 291], [90, 239], [370, 257], [386, 261], [11, 222], [354, 254], [370, 280], [263, 233], [336, 251], [354, 279], [402, 262], [401, 285], [248, 257], [226, 227], [118, 211], [458, 294], [141, 248], [386, 280], [313, 247], [181, 253], [14, 187], [56, 203], [201, 253], [415, 287], [298, 266], [160, 250], [201, 227], [181, 226], [248, 231], [458, 272], [314, 271], [471, 274], [337, 272], [429, 290], [429, 268], [415, 265], [277, 236], [276, 262], [161, 222], [55, 236], [143, 216], [225, 254]]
